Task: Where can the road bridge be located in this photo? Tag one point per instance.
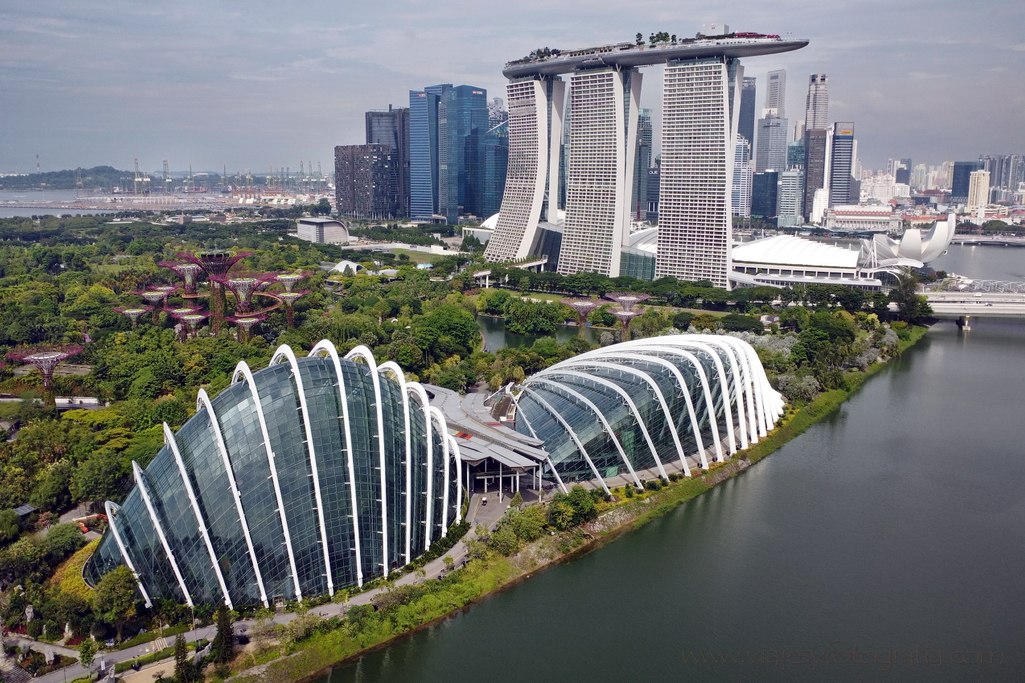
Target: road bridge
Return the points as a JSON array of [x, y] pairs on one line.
[[964, 305]]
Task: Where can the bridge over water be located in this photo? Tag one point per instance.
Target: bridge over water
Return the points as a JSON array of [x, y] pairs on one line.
[[977, 298]]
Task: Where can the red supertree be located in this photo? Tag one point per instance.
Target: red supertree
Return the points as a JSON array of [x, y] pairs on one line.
[[289, 299], [627, 300], [157, 299], [188, 272], [216, 263], [290, 280], [133, 313], [246, 323], [45, 359], [243, 286], [190, 318], [583, 307]]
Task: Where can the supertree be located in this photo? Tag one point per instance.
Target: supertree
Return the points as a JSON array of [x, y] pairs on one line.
[[289, 299], [133, 313], [625, 317], [290, 280], [191, 319], [216, 263], [46, 360], [246, 323], [583, 307], [627, 300], [157, 299], [243, 286], [188, 272]]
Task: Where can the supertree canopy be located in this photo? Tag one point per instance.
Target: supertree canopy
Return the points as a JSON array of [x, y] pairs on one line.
[[625, 317], [627, 301], [215, 263], [246, 323], [133, 313], [243, 286], [290, 280], [187, 271], [582, 307], [289, 299], [46, 359]]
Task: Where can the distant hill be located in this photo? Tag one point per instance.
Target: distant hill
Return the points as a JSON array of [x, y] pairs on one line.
[[95, 177]]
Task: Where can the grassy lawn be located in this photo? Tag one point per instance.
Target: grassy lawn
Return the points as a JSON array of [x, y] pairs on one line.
[[417, 256]]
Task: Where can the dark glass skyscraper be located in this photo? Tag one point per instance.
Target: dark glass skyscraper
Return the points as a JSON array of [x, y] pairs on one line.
[[642, 162], [816, 147], [764, 194], [423, 151], [841, 164], [462, 127], [746, 127], [391, 128]]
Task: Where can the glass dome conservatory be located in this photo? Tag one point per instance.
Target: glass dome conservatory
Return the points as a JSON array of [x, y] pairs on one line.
[[651, 404], [305, 477]]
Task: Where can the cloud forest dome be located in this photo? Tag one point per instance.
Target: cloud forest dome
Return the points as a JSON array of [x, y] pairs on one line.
[[666, 402], [299, 479]]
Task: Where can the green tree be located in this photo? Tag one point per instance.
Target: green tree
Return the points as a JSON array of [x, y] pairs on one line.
[[10, 526], [911, 306], [86, 652], [184, 671], [222, 647], [115, 599]]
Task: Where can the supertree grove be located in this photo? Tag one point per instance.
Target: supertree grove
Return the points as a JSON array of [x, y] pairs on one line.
[[216, 264], [243, 286]]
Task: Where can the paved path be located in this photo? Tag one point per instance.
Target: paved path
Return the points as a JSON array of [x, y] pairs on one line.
[[479, 514]]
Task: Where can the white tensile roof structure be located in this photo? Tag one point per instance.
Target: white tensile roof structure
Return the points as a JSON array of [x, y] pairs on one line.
[[787, 250]]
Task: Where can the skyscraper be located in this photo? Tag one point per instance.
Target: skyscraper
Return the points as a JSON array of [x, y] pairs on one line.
[[776, 92], [746, 126], [462, 126], [423, 151], [790, 198], [816, 114], [841, 180], [603, 132], [772, 144], [978, 191], [695, 213], [960, 179], [816, 164], [642, 162], [764, 194], [496, 160], [742, 173], [391, 128], [366, 177]]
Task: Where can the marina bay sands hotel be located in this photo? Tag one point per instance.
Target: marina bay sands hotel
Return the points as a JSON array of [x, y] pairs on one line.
[[700, 112]]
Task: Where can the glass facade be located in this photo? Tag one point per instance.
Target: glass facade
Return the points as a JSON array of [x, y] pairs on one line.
[[678, 401], [296, 480]]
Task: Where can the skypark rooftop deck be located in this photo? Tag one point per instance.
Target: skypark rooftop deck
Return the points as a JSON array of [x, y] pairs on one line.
[[627, 55]]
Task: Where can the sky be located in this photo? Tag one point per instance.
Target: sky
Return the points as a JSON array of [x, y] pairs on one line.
[[255, 85]]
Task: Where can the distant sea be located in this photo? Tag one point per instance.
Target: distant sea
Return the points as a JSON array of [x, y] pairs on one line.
[[37, 198]]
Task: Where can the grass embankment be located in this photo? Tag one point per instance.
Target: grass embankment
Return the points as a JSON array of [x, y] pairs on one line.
[[365, 629]]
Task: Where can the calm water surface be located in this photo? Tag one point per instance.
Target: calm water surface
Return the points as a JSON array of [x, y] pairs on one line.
[[886, 543]]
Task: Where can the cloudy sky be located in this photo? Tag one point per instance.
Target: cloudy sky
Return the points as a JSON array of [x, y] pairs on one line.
[[259, 85]]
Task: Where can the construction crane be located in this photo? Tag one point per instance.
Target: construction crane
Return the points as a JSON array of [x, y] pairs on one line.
[[167, 179]]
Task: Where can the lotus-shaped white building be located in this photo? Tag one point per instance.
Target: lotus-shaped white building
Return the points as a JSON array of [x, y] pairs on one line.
[[914, 248]]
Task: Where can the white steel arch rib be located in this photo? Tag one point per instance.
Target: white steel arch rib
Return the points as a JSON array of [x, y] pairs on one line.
[[173, 445], [724, 387], [112, 509], [548, 457], [442, 429], [446, 454], [569, 430], [326, 347], [242, 371], [203, 402], [601, 418], [400, 377], [738, 374], [670, 422], [285, 352], [368, 357], [457, 458], [748, 385], [629, 401], [639, 345], [418, 390], [155, 519]]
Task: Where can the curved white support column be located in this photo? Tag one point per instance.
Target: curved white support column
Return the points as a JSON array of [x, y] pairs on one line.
[[203, 402], [418, 390], [548, 457], [724, 388], [629, 401], [326, 347], [569, 430], [368, 357], [242, 371], [285, 352], [748, 384], [112, 509], [155, 519], [601, 418], [400, 377], [457, 458], [442, 427], [200, 522]]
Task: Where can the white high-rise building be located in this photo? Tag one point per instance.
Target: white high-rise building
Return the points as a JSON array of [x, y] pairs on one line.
[[695, 213], [978, 191], [776, 92], [816, 113], [790, 198], [743, 178], [532, 178], [599, 179]]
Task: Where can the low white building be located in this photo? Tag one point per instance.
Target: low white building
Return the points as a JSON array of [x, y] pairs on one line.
[[322, 230], [856, 218], [786, 261]]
